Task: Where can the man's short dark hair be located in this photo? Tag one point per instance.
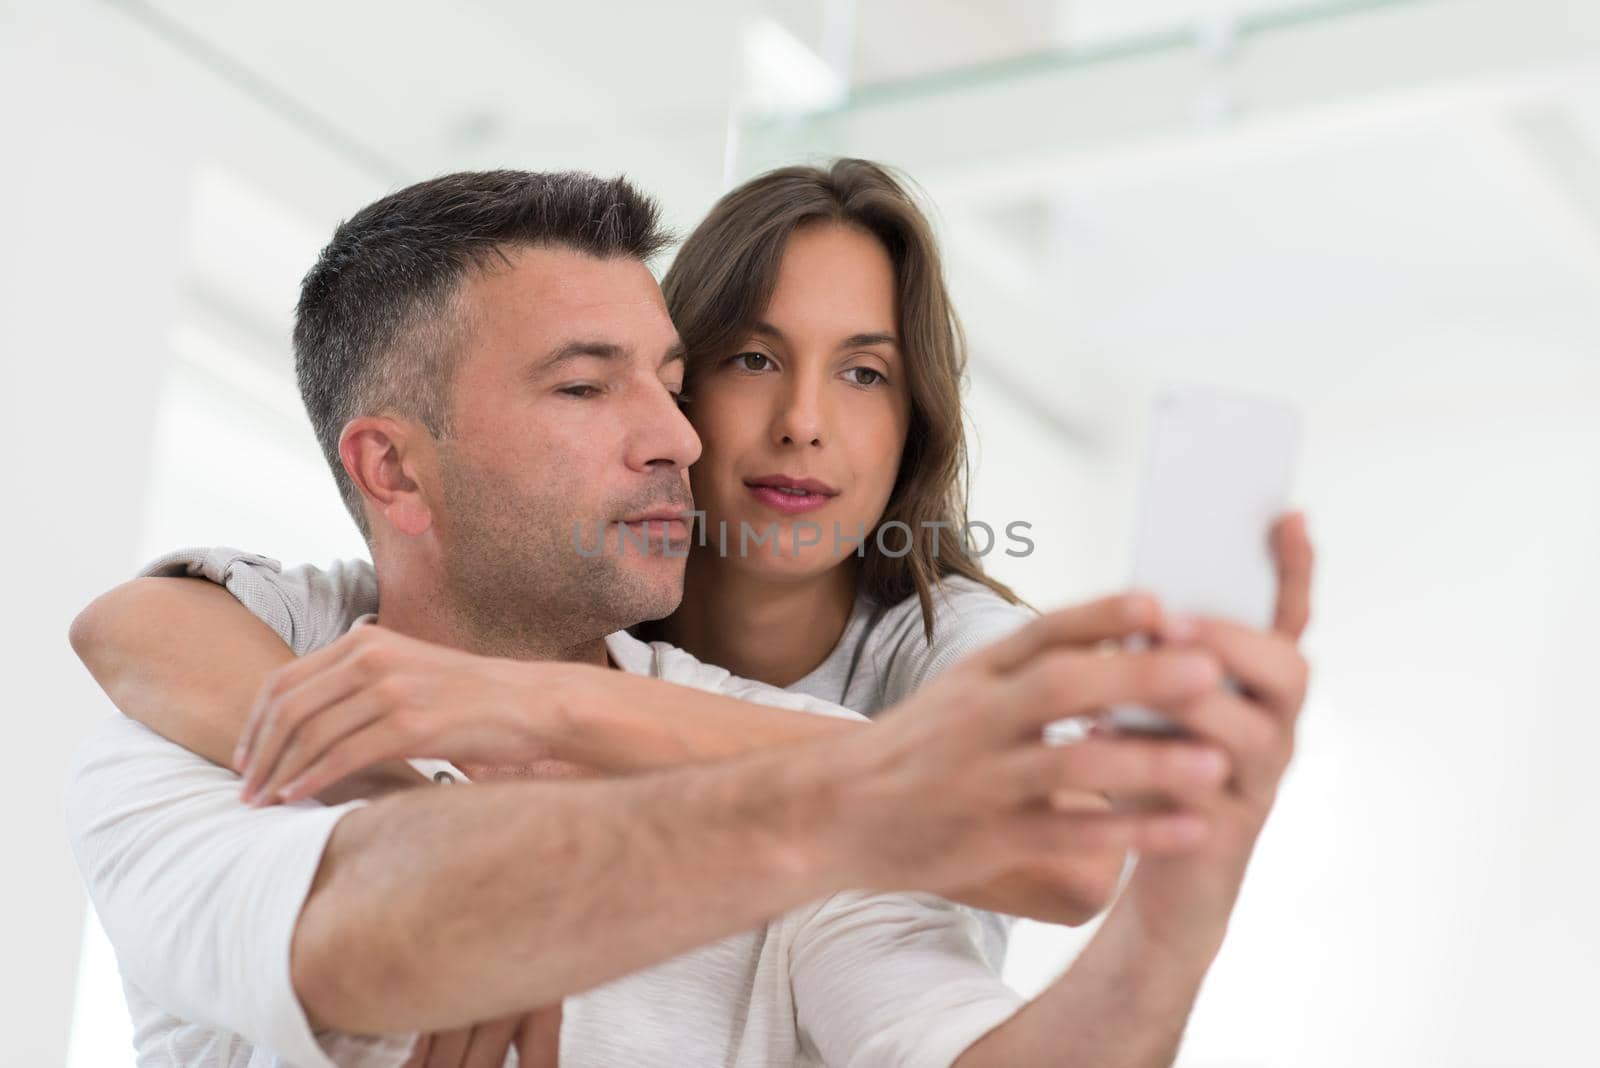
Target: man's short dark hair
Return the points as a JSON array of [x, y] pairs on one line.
[[377, 327]]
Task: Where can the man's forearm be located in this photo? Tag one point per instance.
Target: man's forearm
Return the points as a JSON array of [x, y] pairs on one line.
[[442, 907], [685, 725], [1124, 1003]]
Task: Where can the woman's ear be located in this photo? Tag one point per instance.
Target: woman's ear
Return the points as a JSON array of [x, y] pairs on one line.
[[380, 455]]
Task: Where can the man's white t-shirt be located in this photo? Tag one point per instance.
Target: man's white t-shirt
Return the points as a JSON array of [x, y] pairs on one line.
[[200, 895]]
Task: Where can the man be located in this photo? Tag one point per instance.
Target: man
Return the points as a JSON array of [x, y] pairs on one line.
[[434, 340]]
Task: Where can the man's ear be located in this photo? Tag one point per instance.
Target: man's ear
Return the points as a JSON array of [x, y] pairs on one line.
[[382, 457]]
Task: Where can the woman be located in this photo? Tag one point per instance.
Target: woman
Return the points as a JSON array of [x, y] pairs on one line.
[[824, 381], [824, 377]]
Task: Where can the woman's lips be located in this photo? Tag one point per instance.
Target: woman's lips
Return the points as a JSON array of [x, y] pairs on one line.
[[787, 501]]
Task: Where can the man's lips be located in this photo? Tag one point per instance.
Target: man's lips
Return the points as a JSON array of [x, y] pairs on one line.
[[669, 523], [664, 514]]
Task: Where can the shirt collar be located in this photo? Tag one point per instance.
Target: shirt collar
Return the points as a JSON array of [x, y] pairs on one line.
[[630, 654]]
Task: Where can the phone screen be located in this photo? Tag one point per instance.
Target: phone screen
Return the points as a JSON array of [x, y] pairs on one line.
[[1217, 475]]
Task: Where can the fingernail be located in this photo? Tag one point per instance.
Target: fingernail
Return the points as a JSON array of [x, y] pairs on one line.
[[1206, 764], [291, 791], [1197, 670], [1137, 607]]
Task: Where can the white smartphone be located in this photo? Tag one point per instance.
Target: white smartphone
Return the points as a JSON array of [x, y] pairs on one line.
[[1216, 478]]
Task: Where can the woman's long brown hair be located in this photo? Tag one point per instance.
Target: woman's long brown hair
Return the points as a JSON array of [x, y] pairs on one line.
[[722, 281]]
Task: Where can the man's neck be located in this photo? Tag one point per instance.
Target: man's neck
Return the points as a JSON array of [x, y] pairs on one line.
[[434, 615], [773, 632]]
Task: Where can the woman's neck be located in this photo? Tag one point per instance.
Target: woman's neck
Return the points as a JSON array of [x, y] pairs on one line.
[[773, 632]]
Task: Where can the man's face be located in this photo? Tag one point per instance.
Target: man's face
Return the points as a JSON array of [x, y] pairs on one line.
[[568, 448]]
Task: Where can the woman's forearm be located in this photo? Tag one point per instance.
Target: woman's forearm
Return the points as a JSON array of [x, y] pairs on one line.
[[623, 723], [181, 656], [1122, 1004]]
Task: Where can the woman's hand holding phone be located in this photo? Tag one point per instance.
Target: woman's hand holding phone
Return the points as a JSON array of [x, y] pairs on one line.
[[1184, 901]]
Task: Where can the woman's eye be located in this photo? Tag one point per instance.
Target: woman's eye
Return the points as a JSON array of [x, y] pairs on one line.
[[873, 376], [748, 361], [579, 391]]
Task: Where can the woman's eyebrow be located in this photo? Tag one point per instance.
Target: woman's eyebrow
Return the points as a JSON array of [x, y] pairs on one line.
[[880, 337], [766, 329], [858, 340]]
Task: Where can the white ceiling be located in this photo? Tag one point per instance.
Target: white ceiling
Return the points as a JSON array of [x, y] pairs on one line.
[[1119, 232], [418, 86]]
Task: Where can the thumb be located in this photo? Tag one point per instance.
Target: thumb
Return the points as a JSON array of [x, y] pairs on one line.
[[539, 1038]]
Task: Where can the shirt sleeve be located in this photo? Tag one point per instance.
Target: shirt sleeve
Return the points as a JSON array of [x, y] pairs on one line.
[[893, 981], [308, 606], [200, 894]]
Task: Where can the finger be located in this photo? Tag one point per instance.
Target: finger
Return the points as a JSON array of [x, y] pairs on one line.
[[1292, 550], [287, 678], [419, 1052], [1120, 766], [1256, 743], [1075, 800], [448, 1046], [1057, 685], [285, 713], [1265, 662], [1043, 835], [369, 746], [1118, 616], [539, 1038], [325, 730], [490, 1043]]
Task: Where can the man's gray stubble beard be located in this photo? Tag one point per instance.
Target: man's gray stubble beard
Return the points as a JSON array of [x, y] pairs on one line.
[[517, 581]]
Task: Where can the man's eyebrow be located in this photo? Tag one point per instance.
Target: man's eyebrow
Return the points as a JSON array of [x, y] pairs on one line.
[[676, 353], [766, 329], [577, 350]]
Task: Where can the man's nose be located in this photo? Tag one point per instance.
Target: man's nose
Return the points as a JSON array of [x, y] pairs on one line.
[[664, 436]]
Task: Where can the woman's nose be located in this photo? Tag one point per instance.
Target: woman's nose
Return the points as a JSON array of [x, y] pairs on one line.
[[799, 420]]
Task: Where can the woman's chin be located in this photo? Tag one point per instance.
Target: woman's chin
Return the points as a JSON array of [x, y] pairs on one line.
[[782, 562]]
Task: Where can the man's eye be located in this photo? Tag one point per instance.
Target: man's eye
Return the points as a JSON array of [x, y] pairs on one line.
[[579, 391], [876, 376], [747, 361]]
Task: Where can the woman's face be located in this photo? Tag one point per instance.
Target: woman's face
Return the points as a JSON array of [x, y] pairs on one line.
[[802, 429]]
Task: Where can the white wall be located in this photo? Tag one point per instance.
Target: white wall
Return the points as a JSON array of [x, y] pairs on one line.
[[105, 131], [1424, 892]]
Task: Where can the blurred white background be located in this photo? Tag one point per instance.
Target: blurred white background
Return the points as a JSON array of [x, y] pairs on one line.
[[1388, 212]]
